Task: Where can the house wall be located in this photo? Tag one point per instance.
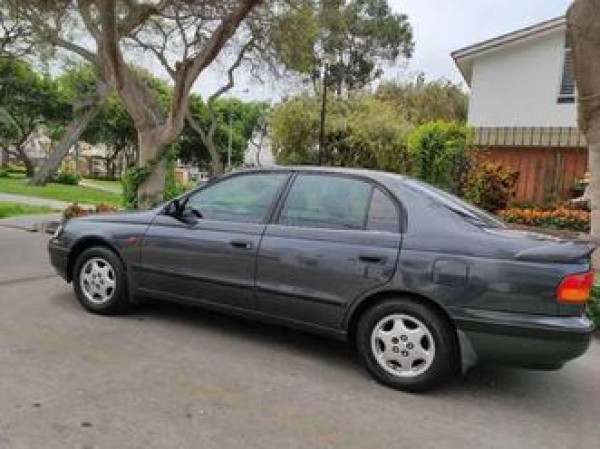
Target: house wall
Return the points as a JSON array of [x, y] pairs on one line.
[[518, 85]]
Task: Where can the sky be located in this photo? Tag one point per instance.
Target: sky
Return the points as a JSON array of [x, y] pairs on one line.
[[439, 27], [442, 26]]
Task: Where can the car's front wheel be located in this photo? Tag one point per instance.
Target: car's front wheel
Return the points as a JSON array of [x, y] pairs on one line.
[[406, 345], [100, 282]]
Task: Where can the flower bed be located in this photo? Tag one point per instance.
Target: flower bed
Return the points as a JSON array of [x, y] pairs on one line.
[[75, 210], [561, 217]]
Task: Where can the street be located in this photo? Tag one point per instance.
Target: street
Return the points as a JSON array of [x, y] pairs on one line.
[[168, 376]]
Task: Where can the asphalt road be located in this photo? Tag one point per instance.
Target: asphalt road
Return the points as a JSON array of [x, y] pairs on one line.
[[174, 377]]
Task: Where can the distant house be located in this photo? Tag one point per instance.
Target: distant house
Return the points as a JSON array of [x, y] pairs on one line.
[[523, 110]]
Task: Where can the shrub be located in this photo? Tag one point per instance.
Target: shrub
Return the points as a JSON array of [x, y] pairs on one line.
[[488, 184], [4, 173], [593, 306], [561, 217], [438, 151], [68, 178]]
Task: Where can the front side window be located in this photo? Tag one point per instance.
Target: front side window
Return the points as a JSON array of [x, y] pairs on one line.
[[324, 201], [244, 198]]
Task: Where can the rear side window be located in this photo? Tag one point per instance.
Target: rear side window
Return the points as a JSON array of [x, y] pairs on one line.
[[323, 201], [383, 214]]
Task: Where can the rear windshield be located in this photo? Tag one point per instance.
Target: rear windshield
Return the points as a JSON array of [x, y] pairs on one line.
[[466, 211]]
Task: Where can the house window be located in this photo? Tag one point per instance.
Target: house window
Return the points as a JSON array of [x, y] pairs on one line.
[[567, 84]]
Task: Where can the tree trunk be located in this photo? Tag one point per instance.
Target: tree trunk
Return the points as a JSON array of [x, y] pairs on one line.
[[593, 138], [29, 167], [69, 138], [216, 167], [4, 158], [208, 139], [583, 25], [150, 192]]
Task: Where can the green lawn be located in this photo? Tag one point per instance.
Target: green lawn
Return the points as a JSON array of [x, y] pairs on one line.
[[14, 209], [72, 194]]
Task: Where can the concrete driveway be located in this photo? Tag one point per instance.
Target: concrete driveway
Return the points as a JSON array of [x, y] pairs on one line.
[[175, 377]]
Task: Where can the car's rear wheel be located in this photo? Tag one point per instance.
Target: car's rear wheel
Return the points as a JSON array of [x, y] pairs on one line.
[[100, 282], [406, 345]]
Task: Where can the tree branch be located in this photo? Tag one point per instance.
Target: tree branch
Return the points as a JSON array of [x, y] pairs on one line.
[[137, 15], [84, 10], [189, 70], [230, 79]]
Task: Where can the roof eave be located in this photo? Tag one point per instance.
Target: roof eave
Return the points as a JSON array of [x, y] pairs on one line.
[[463, 57]]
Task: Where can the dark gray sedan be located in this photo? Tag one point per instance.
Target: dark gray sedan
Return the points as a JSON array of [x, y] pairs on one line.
[[424, 284]]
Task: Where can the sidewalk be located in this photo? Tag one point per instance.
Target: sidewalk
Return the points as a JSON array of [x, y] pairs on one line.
[[33, 201], [99, 186]]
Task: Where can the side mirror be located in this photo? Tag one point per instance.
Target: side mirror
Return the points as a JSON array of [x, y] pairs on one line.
[[188, 216], [173, 208]]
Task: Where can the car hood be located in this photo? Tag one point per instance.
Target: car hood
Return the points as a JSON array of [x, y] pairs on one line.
[[535, 247], [139, 217]]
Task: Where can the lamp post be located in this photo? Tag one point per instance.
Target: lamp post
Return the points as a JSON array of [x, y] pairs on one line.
[[230, 143], [325, 69]]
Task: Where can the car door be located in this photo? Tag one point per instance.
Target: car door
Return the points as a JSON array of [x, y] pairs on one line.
[[334, 238], [213, 259]]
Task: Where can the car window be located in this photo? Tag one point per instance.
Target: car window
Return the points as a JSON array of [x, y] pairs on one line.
[[383, 214], [243, 198], [466, 211], [323, 201]]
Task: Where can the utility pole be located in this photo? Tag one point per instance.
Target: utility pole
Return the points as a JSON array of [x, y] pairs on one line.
[[230, 144], [323, 111]]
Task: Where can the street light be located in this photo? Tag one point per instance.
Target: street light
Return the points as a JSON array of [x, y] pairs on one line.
[[229, 145], [325, 69]]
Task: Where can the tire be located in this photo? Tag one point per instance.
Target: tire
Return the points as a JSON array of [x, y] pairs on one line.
[[100, 282], [406, 345]]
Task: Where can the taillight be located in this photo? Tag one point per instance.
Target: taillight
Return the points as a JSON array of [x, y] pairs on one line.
[[575, 288]]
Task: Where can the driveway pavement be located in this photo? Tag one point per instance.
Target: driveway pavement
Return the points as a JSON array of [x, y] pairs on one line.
[[174, 377]]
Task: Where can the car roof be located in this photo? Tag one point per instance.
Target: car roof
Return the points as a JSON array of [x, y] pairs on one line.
[[376, 175]]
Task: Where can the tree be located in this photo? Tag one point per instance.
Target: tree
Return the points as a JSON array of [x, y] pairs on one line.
[[352, 37], [200, 31], [245, 118], [112, 126], [29, 102], [83, 94], [359, 132], [421, 101], [583, 26]]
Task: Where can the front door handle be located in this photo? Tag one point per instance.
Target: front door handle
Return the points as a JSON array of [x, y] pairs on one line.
[[372, 258], [242, 244]]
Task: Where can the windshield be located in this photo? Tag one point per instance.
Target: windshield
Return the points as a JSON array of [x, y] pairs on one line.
[[465, 210]]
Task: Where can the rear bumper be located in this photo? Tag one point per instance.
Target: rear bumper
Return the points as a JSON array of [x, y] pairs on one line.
[[59, 258], [532, 341]]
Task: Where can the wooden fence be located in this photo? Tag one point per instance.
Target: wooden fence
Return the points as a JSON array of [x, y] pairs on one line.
[[550, 160], [545, 174]]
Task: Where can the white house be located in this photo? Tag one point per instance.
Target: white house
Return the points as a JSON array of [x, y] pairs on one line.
[[522, 107]]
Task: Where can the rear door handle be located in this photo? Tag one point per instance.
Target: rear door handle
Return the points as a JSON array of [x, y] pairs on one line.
[[242, 244], [372, 258]]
